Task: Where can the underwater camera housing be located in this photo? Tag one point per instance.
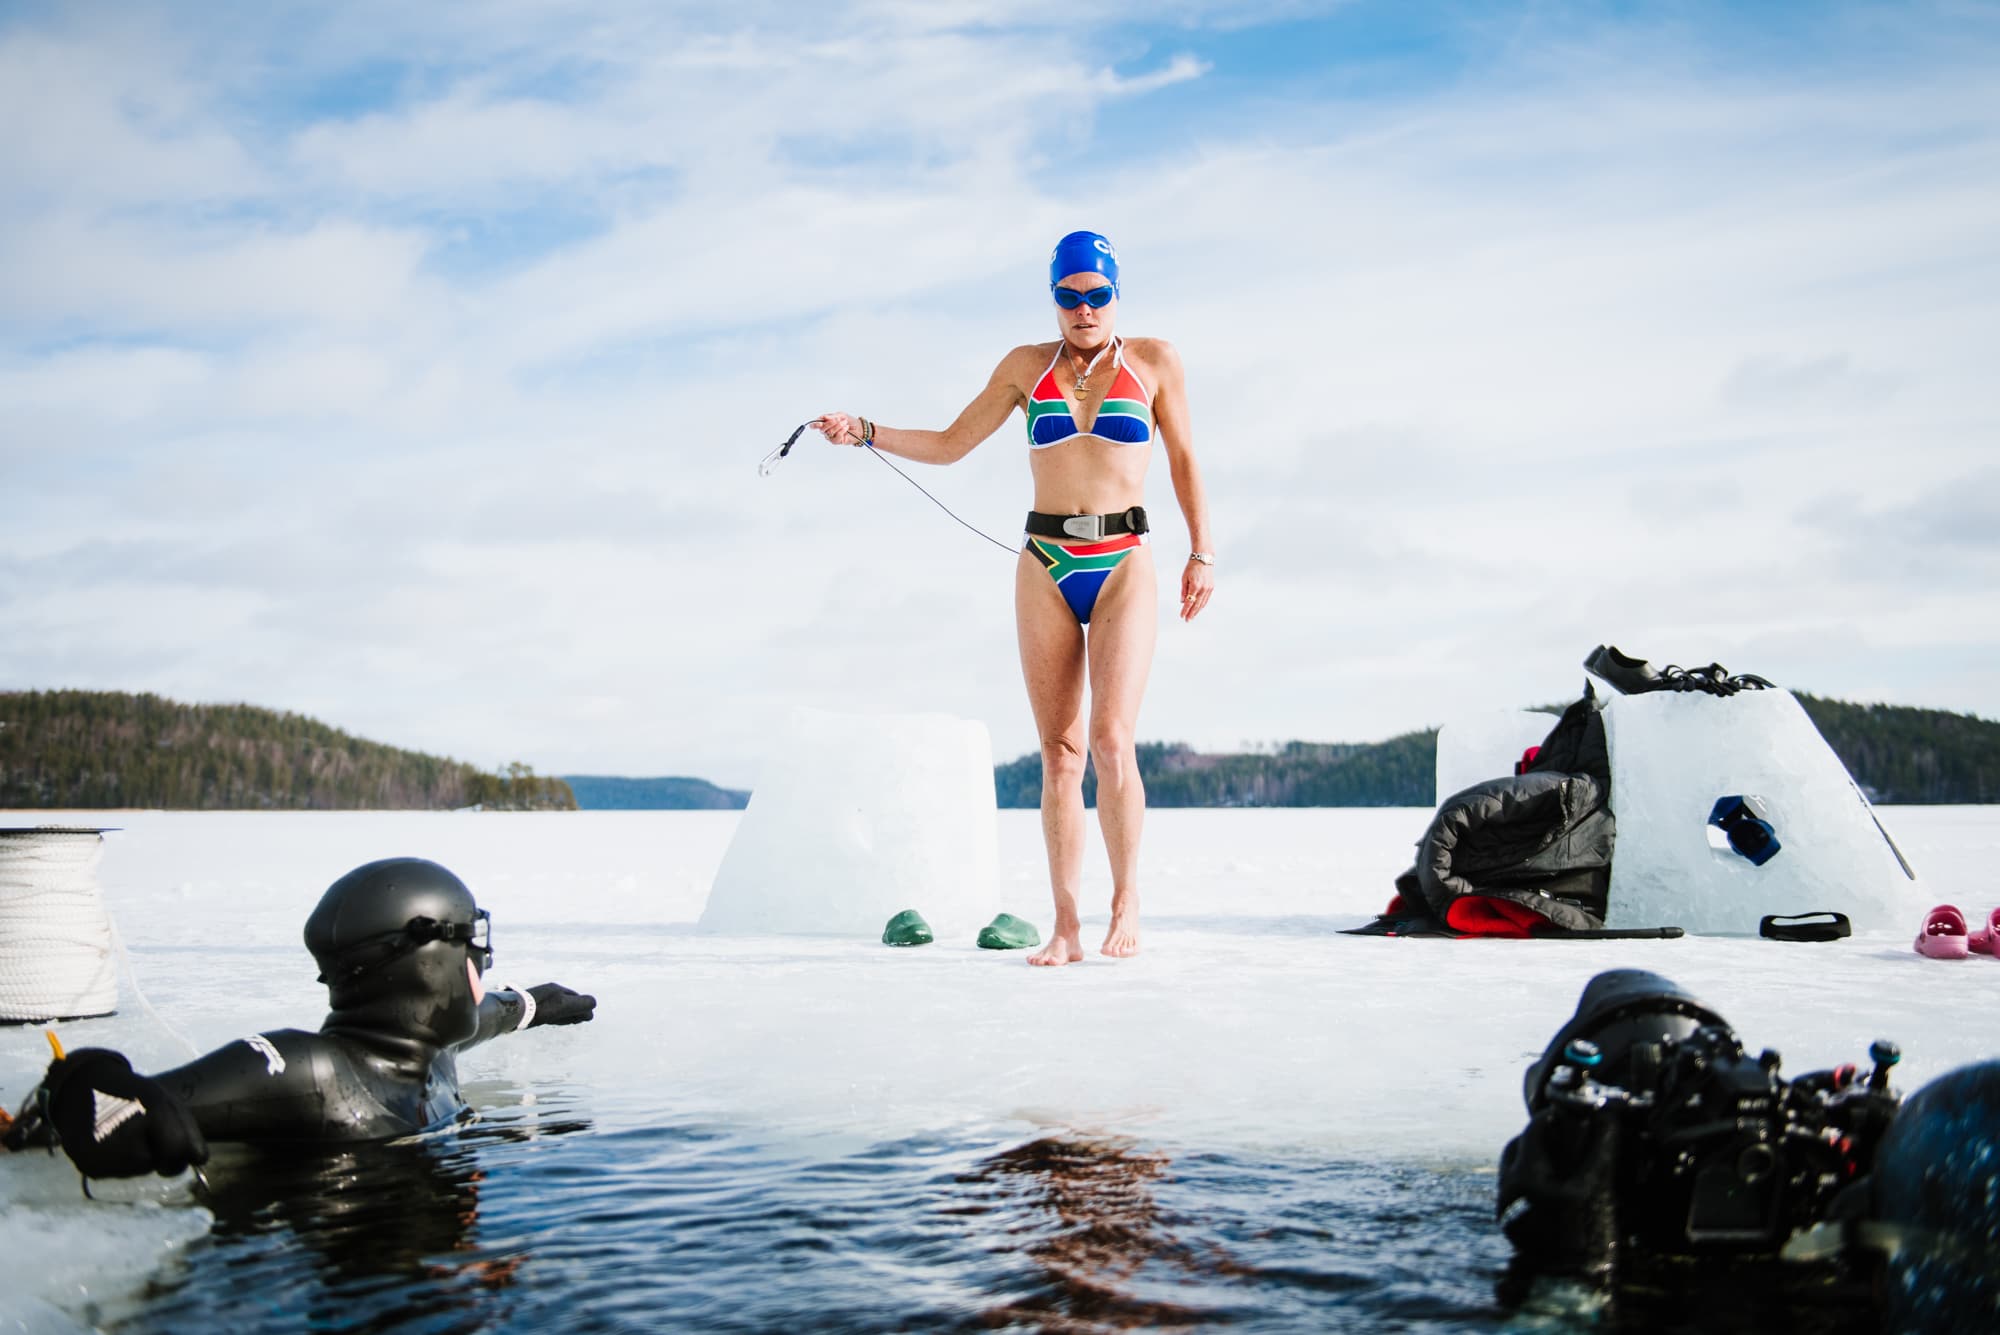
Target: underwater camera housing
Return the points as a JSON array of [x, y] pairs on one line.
[[1654, 1137]]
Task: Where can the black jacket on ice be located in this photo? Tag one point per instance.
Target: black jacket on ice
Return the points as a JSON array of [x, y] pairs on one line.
[[1528, 854]]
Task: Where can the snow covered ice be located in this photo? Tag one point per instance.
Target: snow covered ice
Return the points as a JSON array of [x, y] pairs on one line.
[[1249, 1023]]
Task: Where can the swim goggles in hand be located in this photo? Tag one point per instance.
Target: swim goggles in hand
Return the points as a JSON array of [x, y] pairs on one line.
[[777, 456]]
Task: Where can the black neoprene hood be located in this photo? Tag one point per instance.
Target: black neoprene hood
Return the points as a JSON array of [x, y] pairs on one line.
[[420, 991], [380, 898]]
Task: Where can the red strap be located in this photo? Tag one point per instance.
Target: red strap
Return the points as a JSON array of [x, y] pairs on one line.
[[1527, 758]]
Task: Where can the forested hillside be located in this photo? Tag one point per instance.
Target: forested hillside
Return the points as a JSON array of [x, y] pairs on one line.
[[93, 749], [1896, 754], [1396, 773]]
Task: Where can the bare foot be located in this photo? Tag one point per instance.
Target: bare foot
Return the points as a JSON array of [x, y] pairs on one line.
[[1122, 941], [1063, 948]]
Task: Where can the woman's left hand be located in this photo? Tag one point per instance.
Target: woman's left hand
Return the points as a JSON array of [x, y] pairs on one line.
[[1197, 586]]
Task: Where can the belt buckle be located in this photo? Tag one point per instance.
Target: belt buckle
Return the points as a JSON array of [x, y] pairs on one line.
[[1088, 527]]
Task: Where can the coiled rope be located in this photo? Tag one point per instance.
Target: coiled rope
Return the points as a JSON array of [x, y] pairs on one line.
[[56, 954]]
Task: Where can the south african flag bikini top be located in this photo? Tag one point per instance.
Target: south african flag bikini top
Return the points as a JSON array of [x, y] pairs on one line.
[[1126, 417]]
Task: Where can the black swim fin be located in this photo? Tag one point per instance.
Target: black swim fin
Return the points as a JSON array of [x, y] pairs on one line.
[[1622, 672]]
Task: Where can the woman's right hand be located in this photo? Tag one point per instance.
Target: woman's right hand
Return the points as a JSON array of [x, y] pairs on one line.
[[838, 428]]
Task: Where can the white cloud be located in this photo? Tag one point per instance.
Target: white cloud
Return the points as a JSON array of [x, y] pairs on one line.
[[1600, 349], [66, 272], [1180, 69], [463, 150], [100, 123]]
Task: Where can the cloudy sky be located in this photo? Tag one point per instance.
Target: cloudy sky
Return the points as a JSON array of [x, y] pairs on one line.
[[409, 365]]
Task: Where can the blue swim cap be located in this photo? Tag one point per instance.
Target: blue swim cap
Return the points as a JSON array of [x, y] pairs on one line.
[[1083, 252]]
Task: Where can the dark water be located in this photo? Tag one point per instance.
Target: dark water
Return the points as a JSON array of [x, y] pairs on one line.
[[689, 1227], [552, 1225]]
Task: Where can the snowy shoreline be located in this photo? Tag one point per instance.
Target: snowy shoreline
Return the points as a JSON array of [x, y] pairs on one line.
[[1249, 1023]]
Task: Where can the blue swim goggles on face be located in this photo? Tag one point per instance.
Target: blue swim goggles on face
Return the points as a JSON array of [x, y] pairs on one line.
[[1097, 297]]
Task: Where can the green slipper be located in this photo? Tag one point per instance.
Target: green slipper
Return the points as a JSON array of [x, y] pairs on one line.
[[907, 928], [1008, 932]]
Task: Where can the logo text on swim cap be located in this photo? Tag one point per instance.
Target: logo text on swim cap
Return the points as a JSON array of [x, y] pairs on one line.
[[1104, 246]]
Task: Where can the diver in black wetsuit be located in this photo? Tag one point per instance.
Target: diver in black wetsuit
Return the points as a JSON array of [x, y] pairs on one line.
[[402, 947]]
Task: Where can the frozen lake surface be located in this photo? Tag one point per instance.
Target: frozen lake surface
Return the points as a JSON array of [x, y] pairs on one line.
[[1258, 1121]]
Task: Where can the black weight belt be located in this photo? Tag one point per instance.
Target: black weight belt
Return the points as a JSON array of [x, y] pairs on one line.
[[1822, 926], [1088, 528]]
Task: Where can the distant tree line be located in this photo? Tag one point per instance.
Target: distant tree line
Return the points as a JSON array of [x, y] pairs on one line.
[[1896, 754], [1400, 772], [95, 749]]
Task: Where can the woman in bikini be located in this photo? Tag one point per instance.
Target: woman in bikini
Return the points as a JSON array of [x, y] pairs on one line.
[[1085, 591]]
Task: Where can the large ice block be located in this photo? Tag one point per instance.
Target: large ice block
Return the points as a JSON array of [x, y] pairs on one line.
[[857, 817], [1486, 746], [1674, 754]]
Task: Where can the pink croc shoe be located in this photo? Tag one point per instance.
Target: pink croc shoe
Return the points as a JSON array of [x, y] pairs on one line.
[[1944, 936], [1986, 941]]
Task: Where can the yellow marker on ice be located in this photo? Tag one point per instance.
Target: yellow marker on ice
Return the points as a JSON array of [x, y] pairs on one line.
[[54, 1043]]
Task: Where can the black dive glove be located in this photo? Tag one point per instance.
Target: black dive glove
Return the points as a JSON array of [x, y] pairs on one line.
[[556, 1004], [114, 1122], [28, 1129]]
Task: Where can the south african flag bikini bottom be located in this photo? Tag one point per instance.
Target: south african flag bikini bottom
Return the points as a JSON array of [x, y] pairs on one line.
[[1080, 569]]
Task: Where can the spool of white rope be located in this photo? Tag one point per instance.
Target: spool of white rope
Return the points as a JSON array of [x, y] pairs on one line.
[[56, 956]]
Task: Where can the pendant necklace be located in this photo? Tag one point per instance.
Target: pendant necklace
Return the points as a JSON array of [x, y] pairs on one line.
[[1085, 374]]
